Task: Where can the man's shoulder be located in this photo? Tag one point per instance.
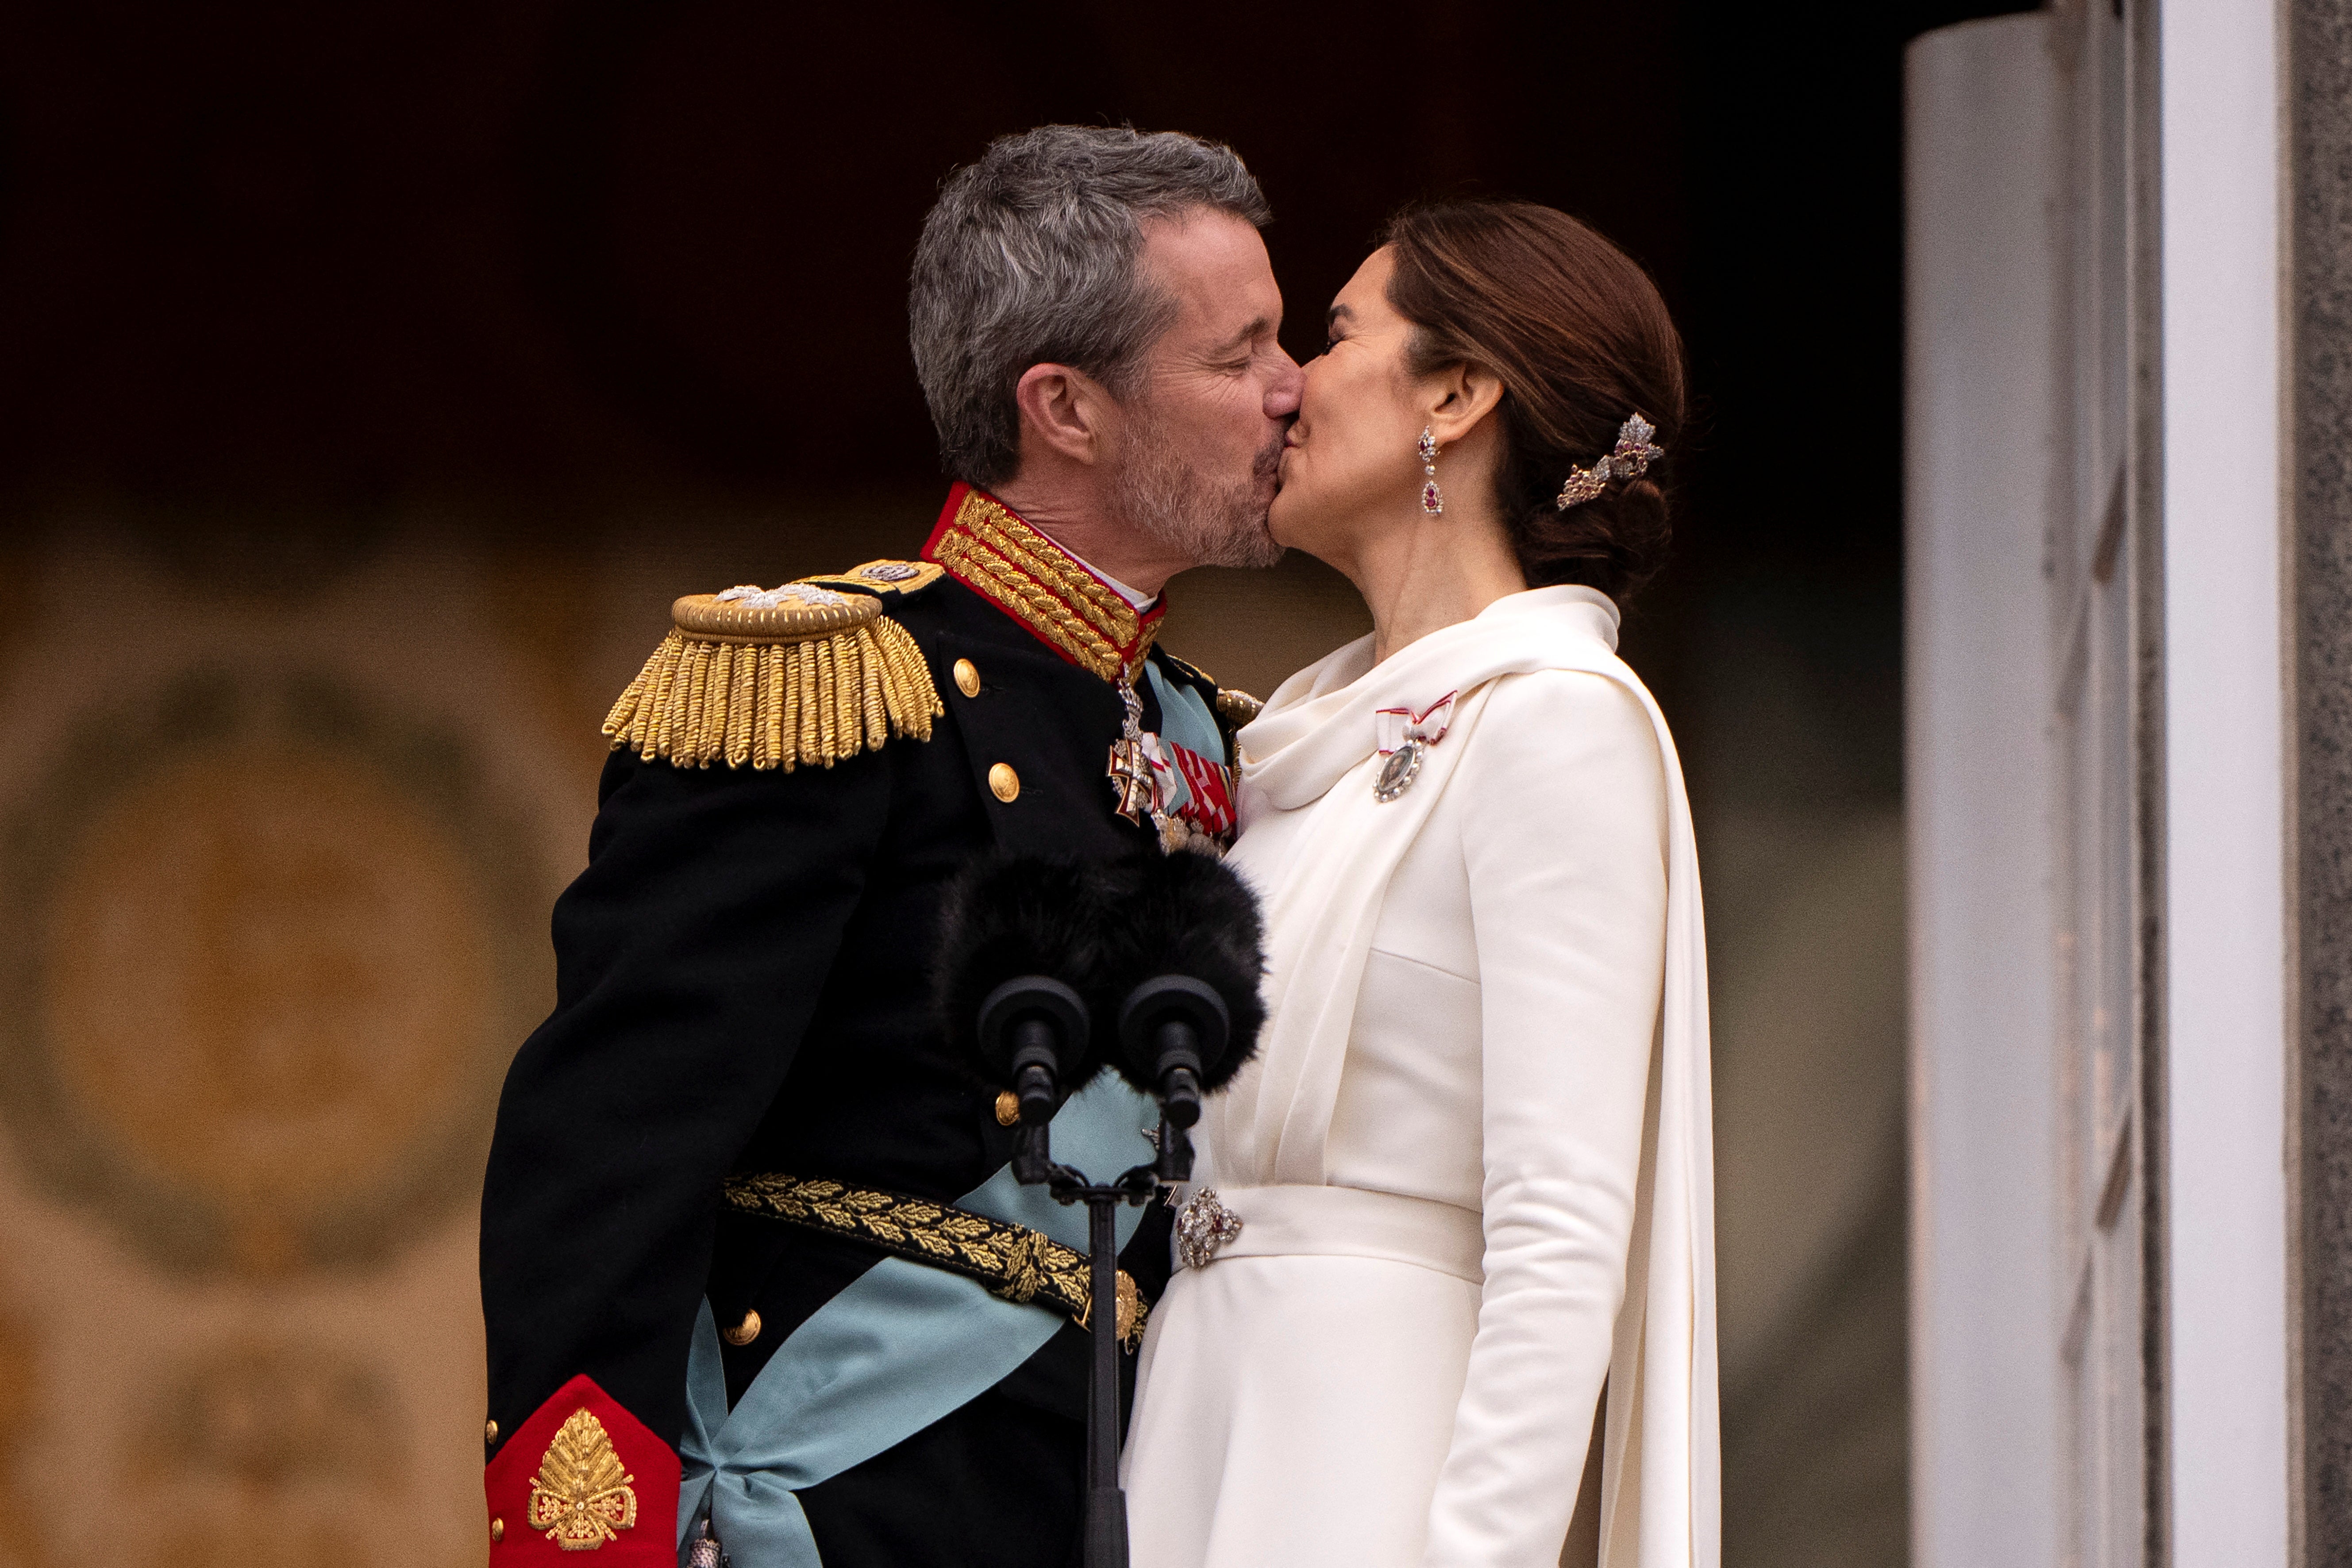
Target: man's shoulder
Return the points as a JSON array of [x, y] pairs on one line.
[[811, 672]]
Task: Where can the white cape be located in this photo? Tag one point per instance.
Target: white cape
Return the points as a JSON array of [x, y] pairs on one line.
[[1660, 1478]]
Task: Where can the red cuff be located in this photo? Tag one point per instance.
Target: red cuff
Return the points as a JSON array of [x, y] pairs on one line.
[[582, 1475]]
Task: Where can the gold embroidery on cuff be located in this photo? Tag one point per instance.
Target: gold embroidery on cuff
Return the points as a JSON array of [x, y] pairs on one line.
[[583, 1498]]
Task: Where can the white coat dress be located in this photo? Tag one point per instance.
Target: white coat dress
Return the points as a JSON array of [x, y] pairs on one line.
[[1479, 1111]]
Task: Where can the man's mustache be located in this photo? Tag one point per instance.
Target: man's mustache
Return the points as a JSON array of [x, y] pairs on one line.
[[1268, 463]]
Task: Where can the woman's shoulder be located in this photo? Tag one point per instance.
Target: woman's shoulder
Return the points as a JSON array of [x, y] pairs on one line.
[[1555, 736], [1565, 709], [1568, 758]]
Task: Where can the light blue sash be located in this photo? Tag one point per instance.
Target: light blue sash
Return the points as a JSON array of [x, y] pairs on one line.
[[903, 1346], [1184, 717]]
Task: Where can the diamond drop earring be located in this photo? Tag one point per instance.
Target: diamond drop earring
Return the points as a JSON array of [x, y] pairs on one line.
[[1433, 501]]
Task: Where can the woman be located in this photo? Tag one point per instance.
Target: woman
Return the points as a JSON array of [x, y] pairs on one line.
[[1467, 1183]]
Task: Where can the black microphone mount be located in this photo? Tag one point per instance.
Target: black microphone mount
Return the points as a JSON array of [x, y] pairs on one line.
[[1166, 951], [1042, 1016]]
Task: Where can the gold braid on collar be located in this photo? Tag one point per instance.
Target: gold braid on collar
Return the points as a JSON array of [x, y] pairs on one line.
[[1037, 582]]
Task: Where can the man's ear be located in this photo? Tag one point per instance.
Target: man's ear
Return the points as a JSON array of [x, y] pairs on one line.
[[1065, 410], [1464, 395]]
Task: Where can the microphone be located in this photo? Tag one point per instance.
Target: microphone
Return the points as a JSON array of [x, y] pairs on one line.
[[1178, 992], [1020, 949], [1170, 947]]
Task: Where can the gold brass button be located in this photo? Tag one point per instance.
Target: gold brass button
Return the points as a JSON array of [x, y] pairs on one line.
[[1004, 783], [1008, 1108], [498, 1530], [489, 1431], [967, 678], [744, 1333]]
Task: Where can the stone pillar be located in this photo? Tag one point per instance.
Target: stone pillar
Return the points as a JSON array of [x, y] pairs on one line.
[[2319, 209]]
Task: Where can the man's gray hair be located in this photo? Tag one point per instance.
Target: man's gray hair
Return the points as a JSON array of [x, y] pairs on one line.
[[1029, 257]]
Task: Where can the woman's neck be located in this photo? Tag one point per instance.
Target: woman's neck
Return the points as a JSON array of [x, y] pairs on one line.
[[1428, 573]]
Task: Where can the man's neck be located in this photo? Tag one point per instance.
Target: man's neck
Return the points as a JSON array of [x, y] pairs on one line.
[[1082, 525]]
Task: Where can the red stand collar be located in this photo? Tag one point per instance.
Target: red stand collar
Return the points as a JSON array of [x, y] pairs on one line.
[[1063, 603]]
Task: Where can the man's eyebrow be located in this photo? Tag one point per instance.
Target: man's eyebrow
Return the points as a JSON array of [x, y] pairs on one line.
[[1241, 339], [1335, 313]]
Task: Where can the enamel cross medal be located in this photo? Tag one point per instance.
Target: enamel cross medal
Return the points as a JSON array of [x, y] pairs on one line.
[[1131, 779], [1178, 784], [1130, 769]]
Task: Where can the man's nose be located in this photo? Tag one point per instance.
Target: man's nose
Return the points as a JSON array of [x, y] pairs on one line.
[[1284, 387]]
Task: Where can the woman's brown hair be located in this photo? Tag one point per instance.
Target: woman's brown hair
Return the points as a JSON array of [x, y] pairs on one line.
[[1580, 341]]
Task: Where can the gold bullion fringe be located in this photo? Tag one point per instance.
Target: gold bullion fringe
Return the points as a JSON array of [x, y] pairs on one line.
[[1015, 1262], [776, 705]]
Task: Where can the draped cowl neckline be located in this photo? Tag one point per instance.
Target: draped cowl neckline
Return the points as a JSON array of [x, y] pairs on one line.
[[1318, 725]]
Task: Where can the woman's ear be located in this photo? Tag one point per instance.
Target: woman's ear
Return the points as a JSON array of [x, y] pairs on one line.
[[1466, 394]]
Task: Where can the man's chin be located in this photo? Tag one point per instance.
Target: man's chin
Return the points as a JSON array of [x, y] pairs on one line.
[[1249, 547], [1262, 550]]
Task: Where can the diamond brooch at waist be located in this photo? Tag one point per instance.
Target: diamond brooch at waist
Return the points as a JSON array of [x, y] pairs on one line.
[[1203, 1224]]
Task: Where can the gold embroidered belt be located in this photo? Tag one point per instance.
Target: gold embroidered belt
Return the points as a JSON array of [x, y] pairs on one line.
[[1015, 1262]]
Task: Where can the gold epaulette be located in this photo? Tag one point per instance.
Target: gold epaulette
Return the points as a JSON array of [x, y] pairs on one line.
[[775, 677], [1238, 708]]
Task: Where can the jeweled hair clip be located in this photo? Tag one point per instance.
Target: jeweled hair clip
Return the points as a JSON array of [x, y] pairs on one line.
[[1629, 460]]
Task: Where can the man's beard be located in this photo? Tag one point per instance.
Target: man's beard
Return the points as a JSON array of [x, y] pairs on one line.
[[1161, 494]]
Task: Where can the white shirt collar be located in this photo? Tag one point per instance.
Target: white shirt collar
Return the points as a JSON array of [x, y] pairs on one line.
[[1135, 600]]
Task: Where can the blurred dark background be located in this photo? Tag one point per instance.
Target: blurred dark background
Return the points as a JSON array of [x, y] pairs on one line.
[[609, 294]]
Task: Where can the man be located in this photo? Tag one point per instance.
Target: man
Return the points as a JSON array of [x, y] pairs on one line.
[[727, 1166]]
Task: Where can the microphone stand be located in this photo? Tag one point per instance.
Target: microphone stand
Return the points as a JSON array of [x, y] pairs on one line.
[[1033, 1165]]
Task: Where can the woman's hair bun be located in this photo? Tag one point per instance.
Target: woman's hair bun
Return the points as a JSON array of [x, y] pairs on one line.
[[1582, 341]]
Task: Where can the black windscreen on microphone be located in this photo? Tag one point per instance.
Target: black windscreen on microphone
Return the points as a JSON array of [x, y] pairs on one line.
[[1020, 955], [1178, 1011], [1151, 964]]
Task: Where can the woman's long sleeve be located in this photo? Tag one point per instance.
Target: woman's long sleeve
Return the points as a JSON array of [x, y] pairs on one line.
[[1564, 832]]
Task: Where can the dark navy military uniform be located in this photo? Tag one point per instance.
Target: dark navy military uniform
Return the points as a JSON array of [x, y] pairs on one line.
[[745, 984]]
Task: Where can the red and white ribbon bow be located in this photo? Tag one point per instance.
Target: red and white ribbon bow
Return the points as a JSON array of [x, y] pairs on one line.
[[1394, 726]]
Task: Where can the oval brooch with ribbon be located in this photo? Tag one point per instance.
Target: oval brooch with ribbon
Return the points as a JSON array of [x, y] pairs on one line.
[[1402, 736]]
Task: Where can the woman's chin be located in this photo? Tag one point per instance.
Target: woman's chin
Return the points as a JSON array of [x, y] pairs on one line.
[[1279, 516], [1301, 516]]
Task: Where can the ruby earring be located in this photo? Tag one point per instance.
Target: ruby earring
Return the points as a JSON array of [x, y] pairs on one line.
[[1433, 501]]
